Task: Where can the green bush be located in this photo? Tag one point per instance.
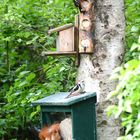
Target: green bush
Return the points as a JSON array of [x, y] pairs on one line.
[[127, 93], [25, 75], [128, 76], [132, 14]]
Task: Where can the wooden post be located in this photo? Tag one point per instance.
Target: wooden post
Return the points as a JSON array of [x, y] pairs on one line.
[[76, 40], [86, 27]]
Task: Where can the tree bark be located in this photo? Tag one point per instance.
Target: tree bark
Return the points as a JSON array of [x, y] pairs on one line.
[[96, 69]]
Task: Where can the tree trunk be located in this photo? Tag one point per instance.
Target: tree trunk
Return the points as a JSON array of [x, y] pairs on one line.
[[96, 70]]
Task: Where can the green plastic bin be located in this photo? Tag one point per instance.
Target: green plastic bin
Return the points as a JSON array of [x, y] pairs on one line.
[[82, 109]]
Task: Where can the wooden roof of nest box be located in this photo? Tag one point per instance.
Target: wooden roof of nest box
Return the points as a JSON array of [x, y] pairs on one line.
[[65, 41]]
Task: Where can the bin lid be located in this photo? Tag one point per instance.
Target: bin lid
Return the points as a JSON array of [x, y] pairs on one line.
[[60, 99]]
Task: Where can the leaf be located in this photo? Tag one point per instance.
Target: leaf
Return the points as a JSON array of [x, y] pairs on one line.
[[22, 84], [33, 114], [134, 47], [111, 110], [62, 69], [134, 29], [128, 107], [30, 77], [24, 73], [19, 40], [2, 122], [139, 40]]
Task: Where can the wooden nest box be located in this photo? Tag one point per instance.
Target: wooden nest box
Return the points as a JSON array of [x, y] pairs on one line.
[[65, 42], [75, 39]]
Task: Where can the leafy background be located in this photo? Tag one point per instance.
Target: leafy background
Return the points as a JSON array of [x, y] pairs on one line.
[[25, 75], [127, 109]]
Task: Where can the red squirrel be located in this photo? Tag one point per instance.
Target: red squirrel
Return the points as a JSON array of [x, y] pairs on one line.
[[50, 133]]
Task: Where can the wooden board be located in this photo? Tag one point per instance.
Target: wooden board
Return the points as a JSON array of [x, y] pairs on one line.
[[86, 29], [58, 53], [61, 28], [66, 40]]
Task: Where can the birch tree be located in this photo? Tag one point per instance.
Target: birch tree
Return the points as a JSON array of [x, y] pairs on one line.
[[96, 69]]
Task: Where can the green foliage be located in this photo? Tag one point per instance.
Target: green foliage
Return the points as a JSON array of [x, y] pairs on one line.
[[132, 13], [25, 75], [127, 109], [127, 93], [27, 88]]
